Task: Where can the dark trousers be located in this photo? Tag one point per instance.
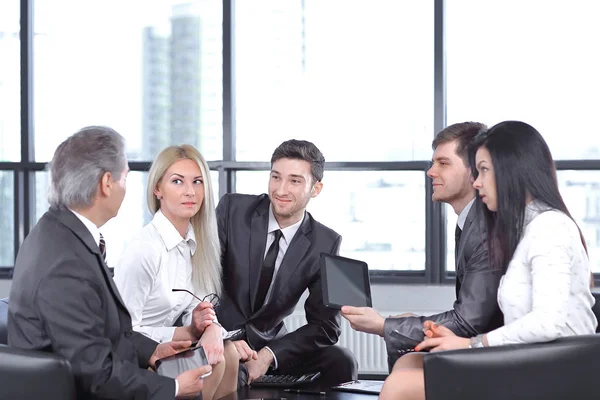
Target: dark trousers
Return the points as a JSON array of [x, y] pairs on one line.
[[335, 363]]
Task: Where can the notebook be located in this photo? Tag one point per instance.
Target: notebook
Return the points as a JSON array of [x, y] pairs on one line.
[[362, 386]]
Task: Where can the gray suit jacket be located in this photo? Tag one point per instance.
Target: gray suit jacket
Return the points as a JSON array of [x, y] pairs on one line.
[[63, 300], [476, 308], [243, 221]]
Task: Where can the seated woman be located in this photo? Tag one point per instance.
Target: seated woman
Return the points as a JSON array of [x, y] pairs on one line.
[[545, 291], [179, 249]]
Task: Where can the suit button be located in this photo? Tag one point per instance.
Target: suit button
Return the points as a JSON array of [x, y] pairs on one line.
[[128, 333]]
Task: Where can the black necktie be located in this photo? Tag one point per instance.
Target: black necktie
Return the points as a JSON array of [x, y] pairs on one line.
[[457, 233], [267, 271], [102, 246]]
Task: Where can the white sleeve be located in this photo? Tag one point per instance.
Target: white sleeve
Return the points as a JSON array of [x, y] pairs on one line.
[[135, 274], [550, 255]]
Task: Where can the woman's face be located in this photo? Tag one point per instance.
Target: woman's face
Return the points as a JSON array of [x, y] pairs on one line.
[[181, 190], [486, 181]]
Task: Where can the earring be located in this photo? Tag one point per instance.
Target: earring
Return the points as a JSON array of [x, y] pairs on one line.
[[158, 197]]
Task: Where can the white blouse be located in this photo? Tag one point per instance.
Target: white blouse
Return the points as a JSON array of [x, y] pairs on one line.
[[157, 260], [545, 293]]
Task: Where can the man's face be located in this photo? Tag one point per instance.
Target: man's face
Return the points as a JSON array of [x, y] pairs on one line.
[[118, 189], [290, 189], [452, 181]]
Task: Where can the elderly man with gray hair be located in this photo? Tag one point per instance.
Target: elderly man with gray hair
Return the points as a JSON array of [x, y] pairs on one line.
[[63, 299]]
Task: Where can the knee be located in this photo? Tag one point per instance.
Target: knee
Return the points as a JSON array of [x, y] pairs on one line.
[[230, 353], [343, 360]]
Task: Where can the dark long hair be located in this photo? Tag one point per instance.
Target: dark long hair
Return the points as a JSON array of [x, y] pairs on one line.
[[523, 166]]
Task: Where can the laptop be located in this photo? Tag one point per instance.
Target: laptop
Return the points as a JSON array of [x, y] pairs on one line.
[[361, 386]]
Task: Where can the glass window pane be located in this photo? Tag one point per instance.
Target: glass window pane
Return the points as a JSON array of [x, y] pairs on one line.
[[132, 216], [505, 61], [581, 192], [335, 72], [380, 214], [154, 73], [10, 83], [7, 219]]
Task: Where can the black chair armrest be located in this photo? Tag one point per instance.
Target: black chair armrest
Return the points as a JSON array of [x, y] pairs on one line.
[[27, 374], [562, 369]]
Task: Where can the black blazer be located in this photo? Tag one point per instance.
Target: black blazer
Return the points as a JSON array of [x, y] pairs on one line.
[[476, 307], [243, 223], [63, 300]]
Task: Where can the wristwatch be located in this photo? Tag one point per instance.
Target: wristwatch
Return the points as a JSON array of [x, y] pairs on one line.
[[476, 342]]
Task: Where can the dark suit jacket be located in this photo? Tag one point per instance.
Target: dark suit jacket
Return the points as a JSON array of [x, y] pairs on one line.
[[476, 308], [63, 300], [243, 222]]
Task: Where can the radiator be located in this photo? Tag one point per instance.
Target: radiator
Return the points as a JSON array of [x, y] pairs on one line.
[[369, 350]]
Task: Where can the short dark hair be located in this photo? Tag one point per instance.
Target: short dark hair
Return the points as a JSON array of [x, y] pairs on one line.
[[302, 150], [523, 165], [463, 132]]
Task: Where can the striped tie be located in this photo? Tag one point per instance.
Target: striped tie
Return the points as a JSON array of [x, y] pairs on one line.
[[102, 246]]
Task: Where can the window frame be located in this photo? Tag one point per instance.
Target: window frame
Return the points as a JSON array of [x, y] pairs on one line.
[[435, 233]]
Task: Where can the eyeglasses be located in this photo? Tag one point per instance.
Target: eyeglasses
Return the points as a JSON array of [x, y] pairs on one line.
[[212, 298]]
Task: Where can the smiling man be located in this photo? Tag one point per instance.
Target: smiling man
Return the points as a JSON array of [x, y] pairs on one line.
[[270, 256], [475, 310]]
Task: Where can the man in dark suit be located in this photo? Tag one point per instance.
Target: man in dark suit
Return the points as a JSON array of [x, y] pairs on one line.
[[476, 309], [270, 256], [63, 299]]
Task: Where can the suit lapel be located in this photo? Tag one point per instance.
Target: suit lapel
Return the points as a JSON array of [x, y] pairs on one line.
[[293, 256], [79, 229], [464, 237], [291, 260], [258, 242]]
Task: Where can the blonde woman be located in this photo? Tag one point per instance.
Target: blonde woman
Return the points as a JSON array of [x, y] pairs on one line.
[[179, 249]]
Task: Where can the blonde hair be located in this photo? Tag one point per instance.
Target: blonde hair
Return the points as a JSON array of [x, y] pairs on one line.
[[206, 261]]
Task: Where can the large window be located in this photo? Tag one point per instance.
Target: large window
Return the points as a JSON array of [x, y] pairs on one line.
[[355, 77], [10, 124], [368, 81], [149, 69]]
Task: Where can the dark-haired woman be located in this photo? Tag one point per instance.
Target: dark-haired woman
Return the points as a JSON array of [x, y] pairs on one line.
[[545, 291]]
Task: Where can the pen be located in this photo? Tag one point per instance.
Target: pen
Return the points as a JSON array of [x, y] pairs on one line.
[[301, 391]]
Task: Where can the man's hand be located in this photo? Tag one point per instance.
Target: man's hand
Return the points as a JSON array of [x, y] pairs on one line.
[[190, 383], [433, 330], [212, 341], [245, 352], [364, 319], [260, 366], [443, 343], [202, 317], [168, 349]]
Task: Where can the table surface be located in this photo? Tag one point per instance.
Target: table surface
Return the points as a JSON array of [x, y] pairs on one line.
[[277, 394]]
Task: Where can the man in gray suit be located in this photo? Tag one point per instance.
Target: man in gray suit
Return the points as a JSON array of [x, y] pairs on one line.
[[476, 309], [63, 299]]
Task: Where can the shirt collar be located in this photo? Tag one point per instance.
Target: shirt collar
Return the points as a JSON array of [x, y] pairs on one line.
[[289, 232], [462, 217], [90, 226], [169, 234]]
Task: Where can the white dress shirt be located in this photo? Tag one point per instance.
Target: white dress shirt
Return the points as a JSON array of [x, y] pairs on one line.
[[545, 293], [286, 238], [157, 260], [90, 226]]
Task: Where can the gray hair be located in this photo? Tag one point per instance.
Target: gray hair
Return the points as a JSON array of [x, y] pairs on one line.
[[80, 162]]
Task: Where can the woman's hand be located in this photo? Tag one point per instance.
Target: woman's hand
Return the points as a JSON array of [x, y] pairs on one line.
[[433, 330], [443, 343], [212, 341]]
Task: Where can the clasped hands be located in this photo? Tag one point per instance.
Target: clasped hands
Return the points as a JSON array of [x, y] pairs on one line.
[[439, 338]]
